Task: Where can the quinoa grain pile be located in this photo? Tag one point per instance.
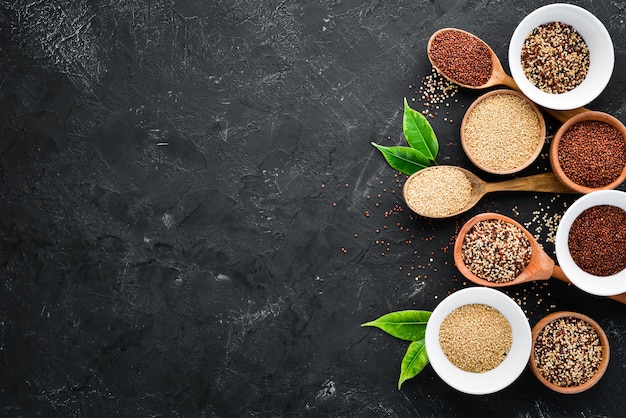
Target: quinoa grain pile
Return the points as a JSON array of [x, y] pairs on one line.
[[475, 337], [496, 251], [592, 153], [567, 352], [555, 58], [597, 240], [502, 132], [461, 57], [438, 191]]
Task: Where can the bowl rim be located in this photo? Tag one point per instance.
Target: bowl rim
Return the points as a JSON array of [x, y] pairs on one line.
[[556, 140], [604, 341], [536, 152], [595, 34], [595, 285], [511, 367]]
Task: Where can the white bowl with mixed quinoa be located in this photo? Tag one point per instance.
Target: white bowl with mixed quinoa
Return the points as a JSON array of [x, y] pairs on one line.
[[561, 56]]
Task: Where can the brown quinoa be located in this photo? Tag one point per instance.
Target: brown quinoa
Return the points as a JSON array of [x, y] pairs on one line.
[[592, 153], [502, 132], [555, 57], [495, 250], [475, 337], [462, 57], [597, 240], [567, 352], [438, 191]]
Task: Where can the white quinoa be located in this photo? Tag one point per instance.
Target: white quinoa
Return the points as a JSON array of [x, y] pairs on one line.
[[438, 191], [502, 132], [475, 337]]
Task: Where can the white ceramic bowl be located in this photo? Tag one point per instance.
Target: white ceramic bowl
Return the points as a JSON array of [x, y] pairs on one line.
[[601, 55], [596, 285], [510, 368]]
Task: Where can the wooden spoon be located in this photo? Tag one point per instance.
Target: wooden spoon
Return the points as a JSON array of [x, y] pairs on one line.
[[540, 267], [498, 77], [544, 182]]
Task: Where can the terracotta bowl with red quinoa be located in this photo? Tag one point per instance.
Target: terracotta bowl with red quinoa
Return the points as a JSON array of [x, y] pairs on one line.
[[561, 56], [588, 152], [590, 243], [570, 352]]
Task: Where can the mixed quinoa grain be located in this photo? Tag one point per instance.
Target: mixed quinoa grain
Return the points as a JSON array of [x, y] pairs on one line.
[[597, 240], [592, 153], [438, 191], [496, 250], [461, 57], [501, 132], [555, 57], [567, 352], [475, 337]]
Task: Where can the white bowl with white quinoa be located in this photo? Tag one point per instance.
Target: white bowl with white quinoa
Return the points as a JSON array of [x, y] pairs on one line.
[[464, 366], [585, 56]]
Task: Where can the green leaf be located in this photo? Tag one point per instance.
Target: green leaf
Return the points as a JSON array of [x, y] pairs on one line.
[[418, 132], [407, 325], [404, 159], [413, 362]]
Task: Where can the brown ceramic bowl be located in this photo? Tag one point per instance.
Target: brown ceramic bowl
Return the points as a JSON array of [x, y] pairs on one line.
[[554, 150], [603, 341], [531, 158]]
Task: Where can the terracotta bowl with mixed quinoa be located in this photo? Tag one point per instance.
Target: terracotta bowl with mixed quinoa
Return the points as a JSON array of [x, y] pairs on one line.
[[570, 352], [561, 56]]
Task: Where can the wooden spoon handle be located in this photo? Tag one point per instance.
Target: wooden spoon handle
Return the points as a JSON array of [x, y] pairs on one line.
[[560, 275], [544, 182], [564, 115]]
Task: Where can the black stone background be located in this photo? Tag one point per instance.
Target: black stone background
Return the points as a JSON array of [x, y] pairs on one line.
[[183, 196]]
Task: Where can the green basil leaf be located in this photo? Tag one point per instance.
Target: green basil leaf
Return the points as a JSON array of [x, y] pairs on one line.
[[403, 159], [418, 132], [407, 325], [413, 362]]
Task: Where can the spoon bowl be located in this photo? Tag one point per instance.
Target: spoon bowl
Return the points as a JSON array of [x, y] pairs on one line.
[[498, 75], [544, 182], [540, 267]]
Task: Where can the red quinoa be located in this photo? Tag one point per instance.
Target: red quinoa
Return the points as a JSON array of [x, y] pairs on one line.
[[597, 240], [592, 153], [462, 57]]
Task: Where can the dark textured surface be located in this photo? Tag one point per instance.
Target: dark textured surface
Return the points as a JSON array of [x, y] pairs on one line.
[[183, 197]]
